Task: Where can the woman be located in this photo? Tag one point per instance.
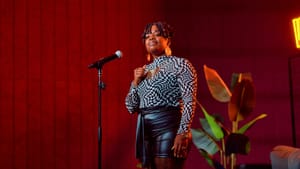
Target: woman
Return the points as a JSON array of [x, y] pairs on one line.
[[163, 94]]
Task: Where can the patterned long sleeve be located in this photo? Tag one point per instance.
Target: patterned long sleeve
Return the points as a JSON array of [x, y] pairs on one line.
[[132, 100], [187, 79], [173, 82]]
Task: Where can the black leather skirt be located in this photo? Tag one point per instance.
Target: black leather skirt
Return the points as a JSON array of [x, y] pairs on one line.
[[156, 130]]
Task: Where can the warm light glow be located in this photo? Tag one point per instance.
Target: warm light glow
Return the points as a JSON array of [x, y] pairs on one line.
[[296, 25]]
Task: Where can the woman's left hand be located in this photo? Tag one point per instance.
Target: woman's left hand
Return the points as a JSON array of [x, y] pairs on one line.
[[181, 144]]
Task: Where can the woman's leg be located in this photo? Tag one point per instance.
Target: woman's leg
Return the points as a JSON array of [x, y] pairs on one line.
[[169, 163]]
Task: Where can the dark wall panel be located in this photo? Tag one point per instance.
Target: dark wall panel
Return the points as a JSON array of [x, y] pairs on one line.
[[6, 84], [34, 85], [20, 87], [48, 118]]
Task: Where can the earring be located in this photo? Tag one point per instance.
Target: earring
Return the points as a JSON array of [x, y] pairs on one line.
[[168, 51], [148, 57]]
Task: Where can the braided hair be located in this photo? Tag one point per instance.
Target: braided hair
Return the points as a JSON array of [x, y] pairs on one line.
[[165, 30]]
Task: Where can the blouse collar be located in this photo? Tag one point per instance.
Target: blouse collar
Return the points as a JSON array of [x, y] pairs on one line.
[[159, 60]]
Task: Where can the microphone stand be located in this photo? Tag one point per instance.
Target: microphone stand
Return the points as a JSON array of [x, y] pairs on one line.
[[98, 65], [100, 87]]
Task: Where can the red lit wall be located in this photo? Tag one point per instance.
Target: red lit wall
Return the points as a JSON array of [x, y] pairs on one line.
[[49, 98]]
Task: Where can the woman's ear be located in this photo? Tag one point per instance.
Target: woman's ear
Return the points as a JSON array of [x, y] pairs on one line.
[[169, 42]]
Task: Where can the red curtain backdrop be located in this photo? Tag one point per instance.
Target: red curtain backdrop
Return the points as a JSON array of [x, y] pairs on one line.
[[49, 98]]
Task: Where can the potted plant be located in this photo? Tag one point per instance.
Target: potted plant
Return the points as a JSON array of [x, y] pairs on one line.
[[213, 136]]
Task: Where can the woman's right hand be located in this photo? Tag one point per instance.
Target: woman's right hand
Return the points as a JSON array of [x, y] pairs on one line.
[[139, 75]]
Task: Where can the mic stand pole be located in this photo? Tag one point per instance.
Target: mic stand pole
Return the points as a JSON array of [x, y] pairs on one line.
[[100, 87], [98, 65]]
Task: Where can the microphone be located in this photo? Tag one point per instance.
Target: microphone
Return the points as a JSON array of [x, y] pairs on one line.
[[102, 61]]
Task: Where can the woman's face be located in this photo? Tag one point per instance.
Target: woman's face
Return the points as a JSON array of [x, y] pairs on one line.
[[155, 43]]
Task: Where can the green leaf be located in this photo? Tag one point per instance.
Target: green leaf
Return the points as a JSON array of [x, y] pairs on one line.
[[251, 123], [207, 157], [215, 128], [216, 85], [234, 80], [207, 129], [204, 142]]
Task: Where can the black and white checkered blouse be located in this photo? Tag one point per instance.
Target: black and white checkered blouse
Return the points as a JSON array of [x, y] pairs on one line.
[[170, 81]]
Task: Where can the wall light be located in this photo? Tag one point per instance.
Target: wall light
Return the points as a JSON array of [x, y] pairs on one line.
[[296, 26]]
